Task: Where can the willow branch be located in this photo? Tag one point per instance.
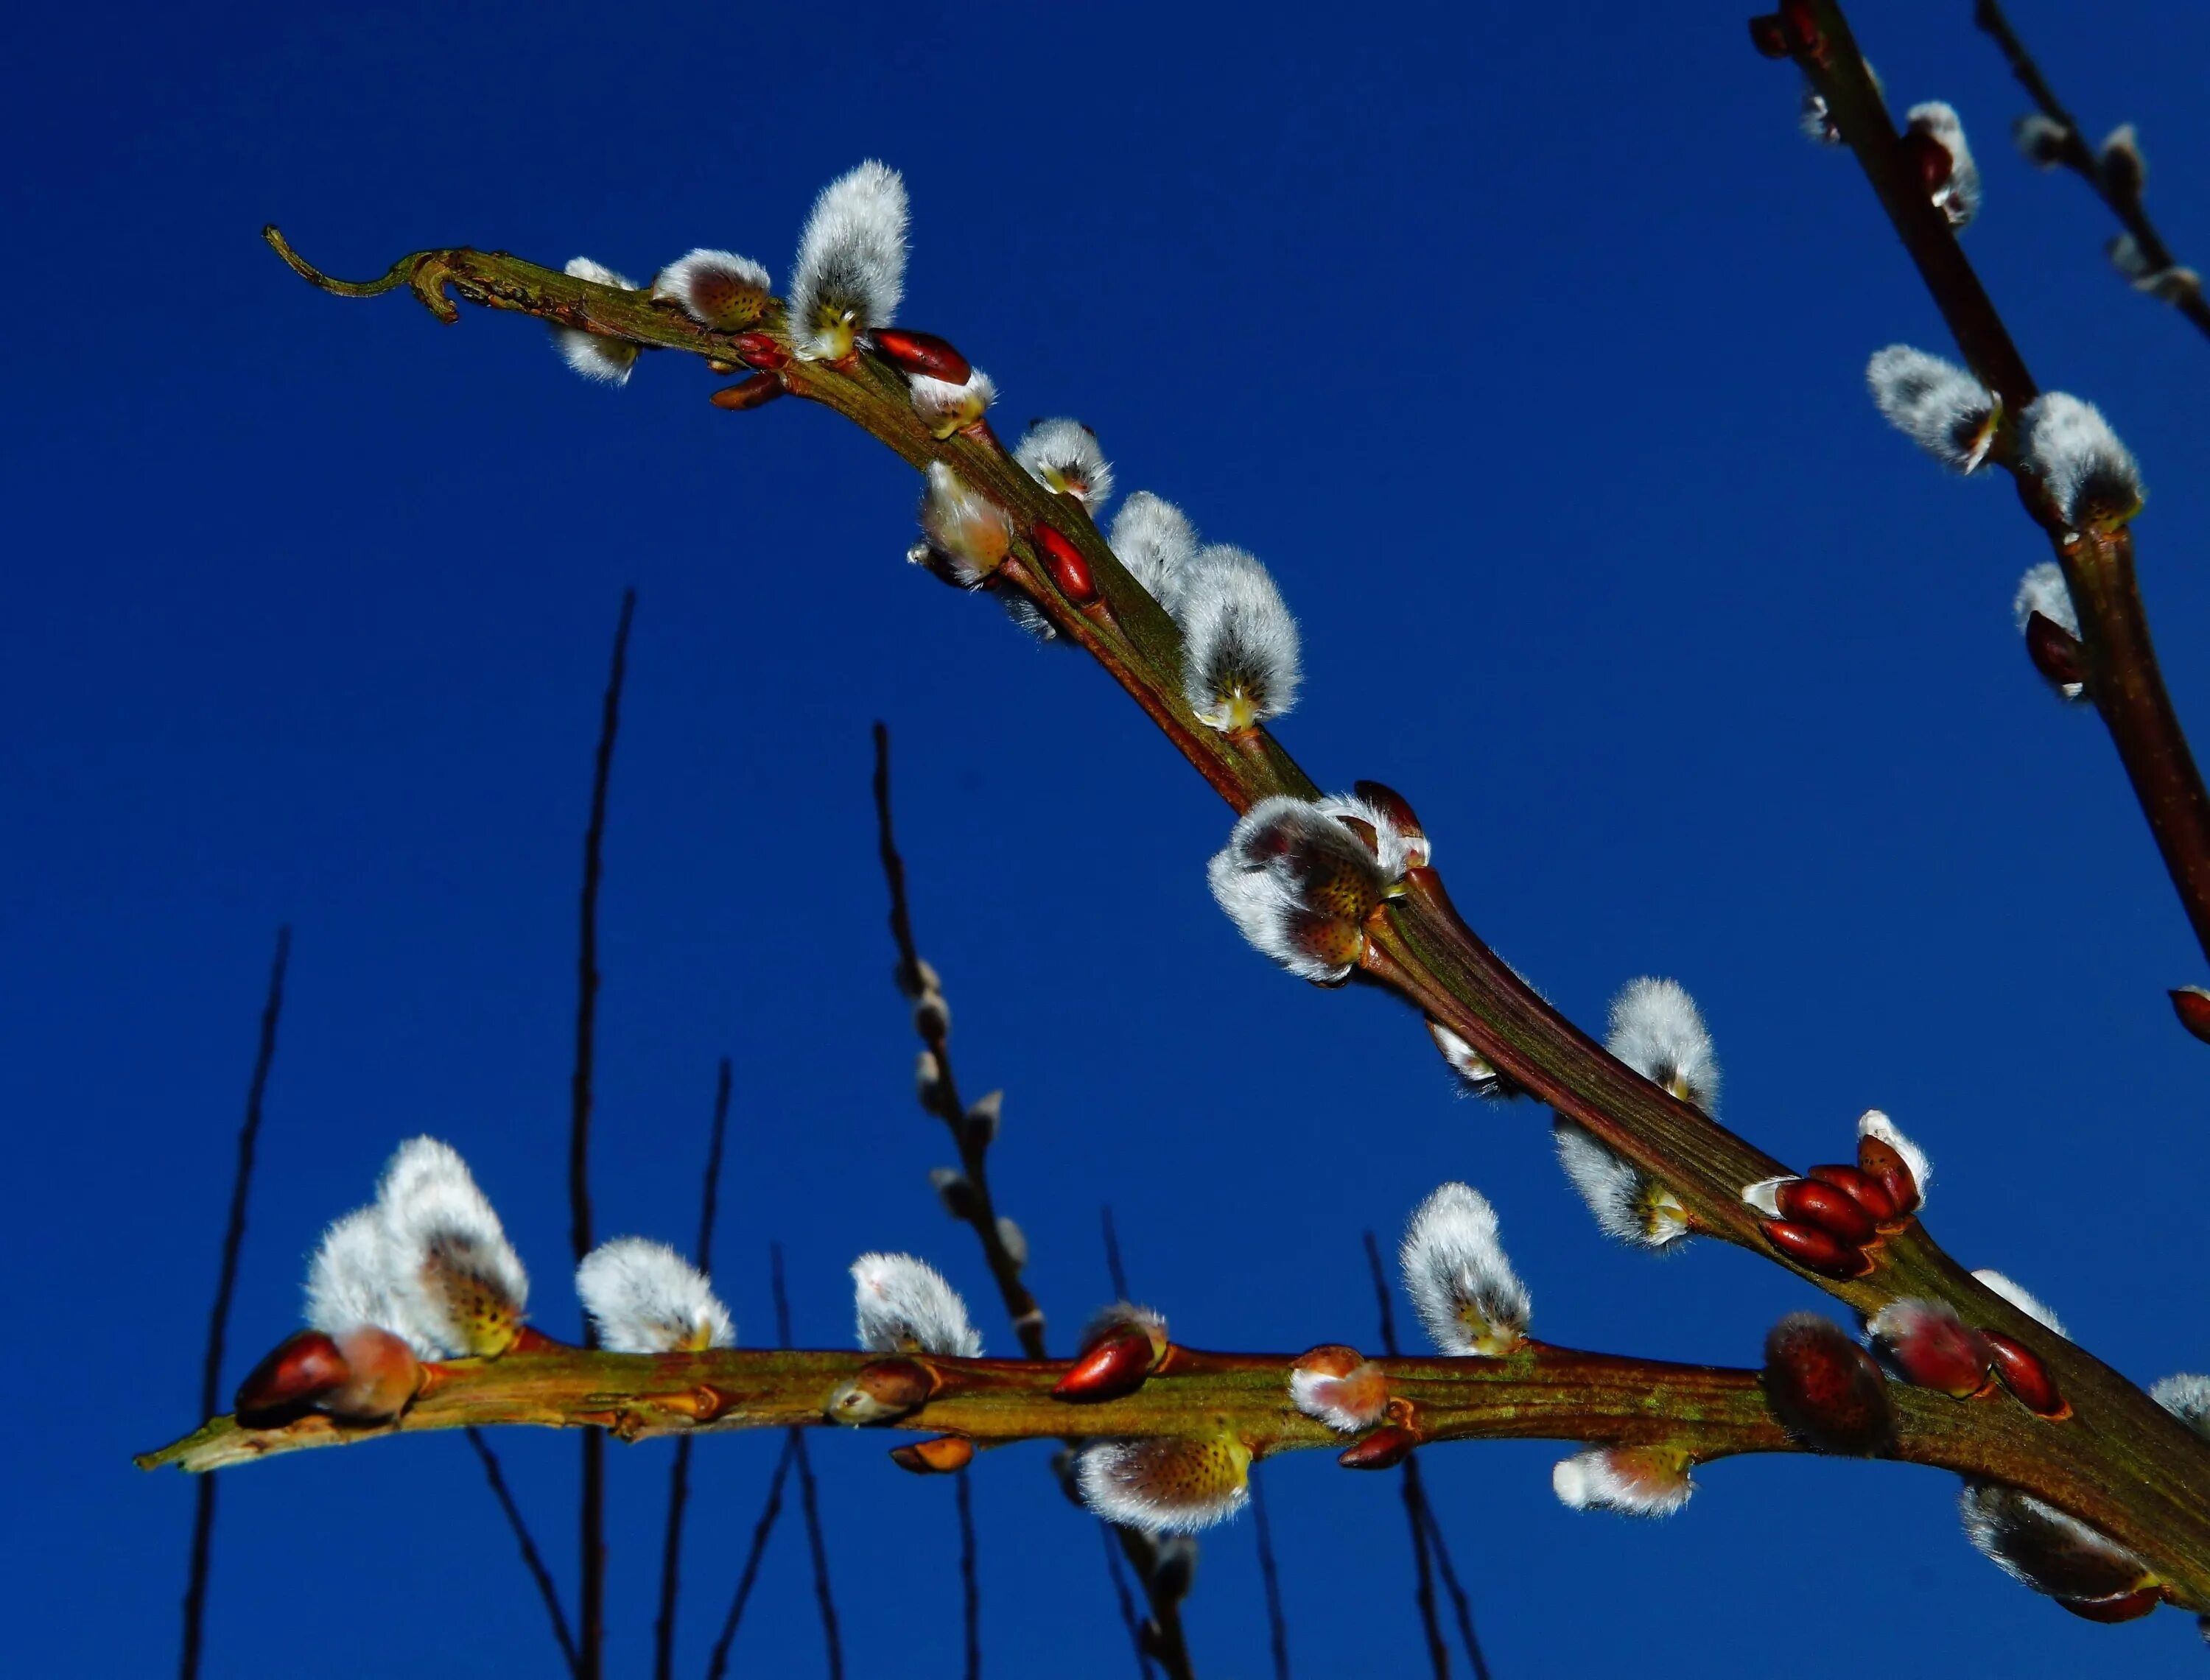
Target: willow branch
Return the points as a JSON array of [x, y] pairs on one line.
[[234, 1241], [2073, 151], [532, 1559], [2119, 1460]]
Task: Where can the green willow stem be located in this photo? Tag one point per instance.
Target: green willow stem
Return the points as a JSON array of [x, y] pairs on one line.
[[2119, 1462]]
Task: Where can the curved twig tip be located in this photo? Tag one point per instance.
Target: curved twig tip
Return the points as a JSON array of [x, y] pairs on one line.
[[393, 277]]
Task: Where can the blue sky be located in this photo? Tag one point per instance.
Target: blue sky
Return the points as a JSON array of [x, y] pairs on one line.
[[1525, 347]]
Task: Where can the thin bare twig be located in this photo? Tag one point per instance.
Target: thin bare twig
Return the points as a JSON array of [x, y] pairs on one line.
[[1461, 1607], [592, 1519], [531, 1558], [808, 1494], [761, 1530], [1416, 1497], [1117, 1568], [1277, 1629], [2122, 195], [971, 1590], [233, 1240], [1114, 1270], [679, 1473]]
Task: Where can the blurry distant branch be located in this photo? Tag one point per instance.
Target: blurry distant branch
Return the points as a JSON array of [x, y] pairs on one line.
[[532, 1559], [2116, 177], [233, 1240], [2121, 671], [809, 1499]]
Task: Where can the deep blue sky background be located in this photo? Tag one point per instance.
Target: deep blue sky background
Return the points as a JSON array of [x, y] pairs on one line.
[[1523, 343]]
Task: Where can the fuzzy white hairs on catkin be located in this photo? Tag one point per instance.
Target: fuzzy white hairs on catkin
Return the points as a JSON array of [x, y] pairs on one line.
[[1239, 653], [1958, 197], [716, 288], [1634, 1481], [351, 1280], [1477, 1076], [1936, 404], [1874, 1124], [963, 526], [1465, 1291], [1265, 879], [647, 1298], [1154, 540], [457, 1281], [1629, 1205], [594, 355], [2042, 590], [2027, 1302], [2091, 477], [1064, 456], [945, 407], [2040, 140], [2014, 1531], [849, 274], [1396, 849], [1164, 1486], [905, 1306], [2170, 283], [1657, 1030], [2187, 1397]]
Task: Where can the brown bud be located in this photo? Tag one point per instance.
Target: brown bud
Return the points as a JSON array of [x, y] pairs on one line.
[[2119, 1607], [1893, 1173], [1808, 1202], [1385, 1448], [1929, 158], [1398, 810], [2025, 1376], [760, 351], [921, 353], [938, 1456], [884, 1389], [1932, 1347], [752, 393], [297, 1371], [382, 1376], [2192, 1005], [1115, 1364], [1816, 1249], [1824, 1388], [2053, 650], [1861, 1186], [1068, 569]]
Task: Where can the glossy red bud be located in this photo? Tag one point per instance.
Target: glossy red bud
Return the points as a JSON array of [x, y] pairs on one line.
[[2192, 1005], [1928, 158], [1116, 1364], [2053, 650], [1390, 803], [2025, 1376], [383, 1376], [2121, 1607], [1808, 1202], [752, 393], [1069, 570], [883, 1389], [297, 1371], [921, 353], [760, 351], [1824, 1388], [1892, 1171], [1385, 1448], [1934, 1348], [1861, 1186], [1816, 1249], [938, 1456]]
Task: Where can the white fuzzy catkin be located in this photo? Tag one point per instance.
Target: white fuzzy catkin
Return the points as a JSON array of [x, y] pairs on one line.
[[716, 288], [1464, 1289], [905, 1306], [1477, 1075], [647, 1298], [1958, 197], [2014, 1531], [963, 525], [1874, 1124], [2170, 283], [1161, 1485], [1936, 404], [2023, 1300], [350, 1282], [1154, 540], [1628, 1204], [454, 1273], [1239, 652], [1637, 1481], [1263, 879], [1064, 456], [1657, 1030], [2187, 1397], [2040, 140], [945, 407], [849, 274], [1357, 1399], [1396, 849], [2091, 477], [608, 360], [2042, 590]]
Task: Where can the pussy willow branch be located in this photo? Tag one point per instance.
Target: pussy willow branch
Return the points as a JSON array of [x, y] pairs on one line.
[[942, 1099], [2081, 158], [2121, 1460], [2123, 680]]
